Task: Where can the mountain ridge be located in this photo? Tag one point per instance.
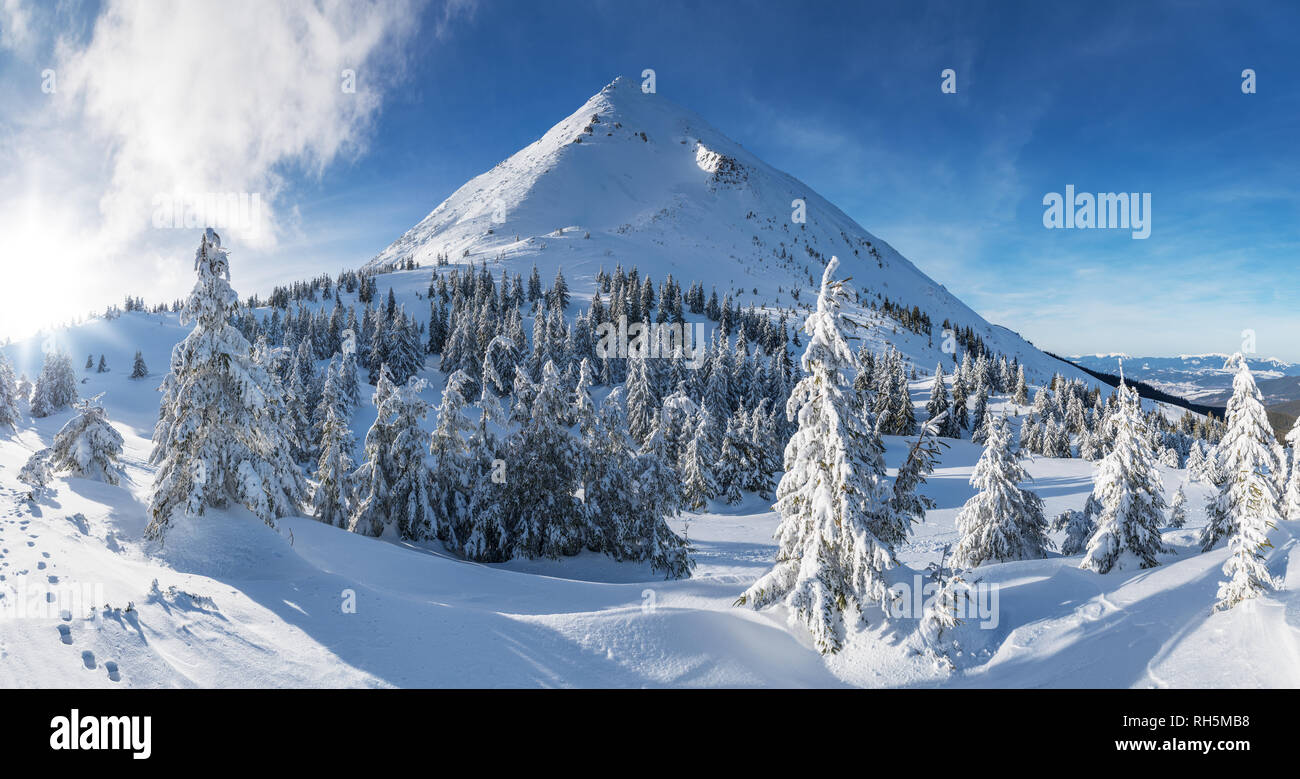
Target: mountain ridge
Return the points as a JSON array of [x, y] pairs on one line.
[[631, 178]]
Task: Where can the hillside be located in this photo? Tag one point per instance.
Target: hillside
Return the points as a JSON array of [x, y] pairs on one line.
[[631, 179], [228, 602]]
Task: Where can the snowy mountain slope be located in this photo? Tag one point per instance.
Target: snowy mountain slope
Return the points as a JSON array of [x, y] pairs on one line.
[[655, 186], [228, 602]]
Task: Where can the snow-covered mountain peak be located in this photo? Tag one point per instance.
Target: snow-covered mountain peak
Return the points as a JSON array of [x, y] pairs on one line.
[[632, 179]]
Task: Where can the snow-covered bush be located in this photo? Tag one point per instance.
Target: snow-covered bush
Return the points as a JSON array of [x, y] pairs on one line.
[[36, 473], [88, 446]]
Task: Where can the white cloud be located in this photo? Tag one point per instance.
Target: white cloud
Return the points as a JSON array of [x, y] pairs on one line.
[[15, 24], [183, 99]]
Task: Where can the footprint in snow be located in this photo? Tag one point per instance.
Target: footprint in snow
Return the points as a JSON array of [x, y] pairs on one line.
[[88, 657], [65, 634], [113, 674]]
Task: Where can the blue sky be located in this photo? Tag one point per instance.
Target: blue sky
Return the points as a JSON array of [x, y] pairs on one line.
[[1110, 97]]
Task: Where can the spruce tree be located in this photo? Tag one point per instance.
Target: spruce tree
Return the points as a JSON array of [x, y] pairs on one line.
[[447, 445], [838, 532], [1178, 509], [1249, 461], [1128, 488], [370, 482], [698, 483], [218, 439], [9, 413], [940, 405], [657, 497], [334, 467], [1002, 521], [56, 387], [410, 494], [1290, 496], [138, 369], [549, 520], [487, 537], [1021, 395], [1247, 575], [608, 481]]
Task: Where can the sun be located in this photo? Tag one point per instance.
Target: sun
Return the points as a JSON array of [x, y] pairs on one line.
[[39, 285]]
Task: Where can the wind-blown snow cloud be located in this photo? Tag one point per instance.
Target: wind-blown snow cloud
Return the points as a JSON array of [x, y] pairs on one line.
[[162, 104]]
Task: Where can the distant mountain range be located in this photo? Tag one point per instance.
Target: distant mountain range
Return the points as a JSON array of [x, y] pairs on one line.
[[1202, 379]]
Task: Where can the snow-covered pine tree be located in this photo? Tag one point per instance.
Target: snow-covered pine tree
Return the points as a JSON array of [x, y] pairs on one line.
[[9, 413], [640, 401], [838, 532], [960, 417], [410, 492], [1178, 509], [1128, 488], [1021, 395], [1001, 521], [103, 364], [608, 481], [549, 520], [138, 369], [1078, 526], [218, 438], [56, 387], [980, 419], [732, 460], [36, 473], [919, 463], [763, 460], [1290, 497], [657, 496], [370, 482], [88, 446], [1249, 460], [487, 537], [348, 382], [1196, 462], [698, 484], [940, 404], [450, 486], [1247, 575], [334, 467]]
